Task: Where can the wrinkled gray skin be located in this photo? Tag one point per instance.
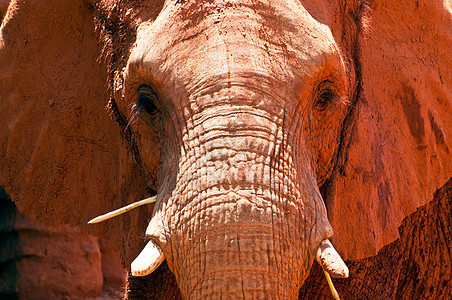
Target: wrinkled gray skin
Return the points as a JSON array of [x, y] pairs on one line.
[[248, 99]]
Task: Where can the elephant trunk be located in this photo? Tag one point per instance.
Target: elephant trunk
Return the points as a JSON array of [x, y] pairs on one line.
[[235, 236]]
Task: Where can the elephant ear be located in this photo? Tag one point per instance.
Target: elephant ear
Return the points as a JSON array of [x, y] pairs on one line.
[[400, 144], [62, 157]]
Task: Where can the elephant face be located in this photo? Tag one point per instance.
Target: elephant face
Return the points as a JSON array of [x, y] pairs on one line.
[[248, 106]]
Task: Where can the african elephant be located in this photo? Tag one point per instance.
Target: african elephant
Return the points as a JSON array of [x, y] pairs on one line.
[[261, 126]]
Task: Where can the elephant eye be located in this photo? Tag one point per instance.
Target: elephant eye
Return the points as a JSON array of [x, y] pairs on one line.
[[325, 94], [146, 100]]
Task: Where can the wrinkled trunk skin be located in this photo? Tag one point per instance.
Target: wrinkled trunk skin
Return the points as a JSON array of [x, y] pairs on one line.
[[238, 211], [243, 220]]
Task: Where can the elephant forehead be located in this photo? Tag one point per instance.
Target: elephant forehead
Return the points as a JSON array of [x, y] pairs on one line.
[[191, 44]]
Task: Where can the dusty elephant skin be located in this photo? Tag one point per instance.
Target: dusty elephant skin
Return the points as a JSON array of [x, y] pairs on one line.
[[261, 126], [249, 123]]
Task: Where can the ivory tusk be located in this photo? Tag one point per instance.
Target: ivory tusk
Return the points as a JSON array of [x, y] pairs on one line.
[[330, 260], [148, 260], [122, 210]]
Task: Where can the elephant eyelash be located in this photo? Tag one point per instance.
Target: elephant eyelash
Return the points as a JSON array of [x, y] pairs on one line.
[[325, 97], [146, 100], [325, 94], [145, 107]]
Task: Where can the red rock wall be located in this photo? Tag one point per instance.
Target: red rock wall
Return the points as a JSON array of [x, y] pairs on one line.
[[38, 262]]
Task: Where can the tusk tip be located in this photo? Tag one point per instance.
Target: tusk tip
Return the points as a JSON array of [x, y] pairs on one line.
[[148, 260], [93, 221]]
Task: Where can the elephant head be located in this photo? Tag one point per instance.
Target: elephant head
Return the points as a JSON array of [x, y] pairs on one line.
[[259, 125], [248, 106]]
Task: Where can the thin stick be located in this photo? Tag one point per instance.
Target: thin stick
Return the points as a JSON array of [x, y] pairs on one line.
[[122, 210], [330, 283]]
